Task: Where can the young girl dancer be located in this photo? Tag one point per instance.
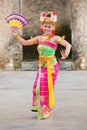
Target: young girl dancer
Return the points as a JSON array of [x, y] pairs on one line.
[[48, 67]]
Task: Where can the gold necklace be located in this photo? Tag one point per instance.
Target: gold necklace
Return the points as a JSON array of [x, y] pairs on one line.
[[46, 38]]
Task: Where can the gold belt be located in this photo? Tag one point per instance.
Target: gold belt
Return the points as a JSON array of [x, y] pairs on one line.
[[50, 80], [42, 59], [46, 57]]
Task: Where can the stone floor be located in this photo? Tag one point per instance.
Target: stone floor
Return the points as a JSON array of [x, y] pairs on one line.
[[15, 102]]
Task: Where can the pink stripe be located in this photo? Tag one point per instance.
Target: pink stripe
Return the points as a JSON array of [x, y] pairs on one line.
[[52, 45], [44, 85]]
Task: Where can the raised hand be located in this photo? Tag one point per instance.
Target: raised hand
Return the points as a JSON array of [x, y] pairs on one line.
[[14, 30]]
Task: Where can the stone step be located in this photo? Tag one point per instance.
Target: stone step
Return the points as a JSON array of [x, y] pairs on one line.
[[33, 65]]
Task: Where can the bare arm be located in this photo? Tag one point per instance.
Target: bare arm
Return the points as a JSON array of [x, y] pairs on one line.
[[23, 41], [31, 41], [67, 46]]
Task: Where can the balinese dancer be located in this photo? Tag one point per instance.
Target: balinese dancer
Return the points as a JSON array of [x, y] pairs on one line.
[[48, 67]]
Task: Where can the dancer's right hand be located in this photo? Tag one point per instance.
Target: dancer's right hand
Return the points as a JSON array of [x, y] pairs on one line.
[[14, 30]]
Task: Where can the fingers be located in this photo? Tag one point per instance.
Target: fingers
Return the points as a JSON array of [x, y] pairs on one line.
[[62, 52], [15, 27], [14, 30], [63, 55]]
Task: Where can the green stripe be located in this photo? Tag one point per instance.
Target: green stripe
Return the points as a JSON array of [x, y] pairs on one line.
[[46, 115], [38, 95], [34, 107], [38, 102]]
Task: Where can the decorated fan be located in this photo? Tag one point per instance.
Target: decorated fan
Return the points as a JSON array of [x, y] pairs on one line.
[[16, 20]]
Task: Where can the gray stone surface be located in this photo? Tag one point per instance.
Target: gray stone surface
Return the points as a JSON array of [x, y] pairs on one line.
[[72, 21], [10, 49], [33, 65], [79, 35], [15, 102], [32, 11]]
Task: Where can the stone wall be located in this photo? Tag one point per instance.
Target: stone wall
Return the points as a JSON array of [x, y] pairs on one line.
[[32, 10], [79, 33], [10, 49], [72, 23]]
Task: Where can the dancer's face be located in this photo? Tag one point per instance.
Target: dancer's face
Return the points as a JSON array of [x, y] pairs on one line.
[[47, 28]]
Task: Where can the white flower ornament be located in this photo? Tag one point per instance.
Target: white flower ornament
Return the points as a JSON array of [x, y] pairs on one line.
[[43, 16], [52, 18]]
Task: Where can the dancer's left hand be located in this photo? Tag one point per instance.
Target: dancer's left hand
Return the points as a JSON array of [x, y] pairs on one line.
[[64, 55]]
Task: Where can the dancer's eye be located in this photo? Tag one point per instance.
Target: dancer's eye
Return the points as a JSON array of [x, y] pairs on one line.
[[49, 26], [45, 26]]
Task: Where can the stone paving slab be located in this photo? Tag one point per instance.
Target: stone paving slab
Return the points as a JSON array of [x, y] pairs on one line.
[[70, 111]]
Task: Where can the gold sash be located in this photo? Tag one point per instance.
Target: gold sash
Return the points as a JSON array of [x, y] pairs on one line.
[[50, 81]]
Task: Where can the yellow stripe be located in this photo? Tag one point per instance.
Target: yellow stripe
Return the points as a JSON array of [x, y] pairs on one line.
[[50, 86], [50, 81]]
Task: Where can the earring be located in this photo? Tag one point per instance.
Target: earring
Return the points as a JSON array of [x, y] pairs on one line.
[[41, 30], [53, 32]]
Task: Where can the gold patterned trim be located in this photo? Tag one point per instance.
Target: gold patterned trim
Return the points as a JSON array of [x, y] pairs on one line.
[[61, 38]]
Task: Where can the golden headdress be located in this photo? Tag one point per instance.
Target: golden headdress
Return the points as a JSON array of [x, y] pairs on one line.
[[49, 18]]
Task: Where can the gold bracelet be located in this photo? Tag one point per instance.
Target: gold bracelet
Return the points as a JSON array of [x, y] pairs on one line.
[[33, 40], [16, 35]]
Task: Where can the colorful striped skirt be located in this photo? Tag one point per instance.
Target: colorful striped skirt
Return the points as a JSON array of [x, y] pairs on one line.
[[40, 103]]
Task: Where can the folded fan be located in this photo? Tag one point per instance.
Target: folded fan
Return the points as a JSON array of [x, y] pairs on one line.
[[16, 20]]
